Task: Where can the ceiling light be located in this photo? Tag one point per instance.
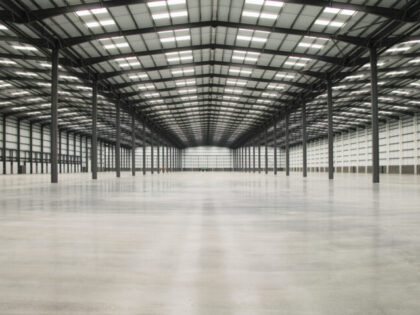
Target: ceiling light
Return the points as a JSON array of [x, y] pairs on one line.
[[146, 87], [155, 4], [19, 47], [3, 85], [266, 94], [240, 71], [182, 71], [275, 86], [151, 94], [129, 64], [236, 82], [183, 83], [396, 72], [2, 27], [92, 11], [187, 91]]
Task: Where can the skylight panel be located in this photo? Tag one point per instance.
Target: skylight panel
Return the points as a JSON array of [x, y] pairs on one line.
[[234, 91], [330, 10], [68, 77], [114, 46], [240, 71], [236, 82], [27, 74], [268, 3], [248, 56], [150, 95], [167, 15], [3, 27], [398, 49], [128, 62], [156, 4], [185, 82], [138, 76], [174, 36], [100, 23], [248, 35], [20, 47], [285, 76], [7, 62], [329, 23], [396, 72], [92, 11], [267, 94], [179, 56], [183, 71], [297, 61], [310, 45], [185, 91], [275, 86], [146, 87], [19, 93]]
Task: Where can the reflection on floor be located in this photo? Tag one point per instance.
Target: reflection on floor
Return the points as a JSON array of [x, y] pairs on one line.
[[209, 243]]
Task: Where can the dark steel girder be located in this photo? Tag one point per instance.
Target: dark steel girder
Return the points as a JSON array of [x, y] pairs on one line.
[[37, 15], [104, 76], [213, 24]]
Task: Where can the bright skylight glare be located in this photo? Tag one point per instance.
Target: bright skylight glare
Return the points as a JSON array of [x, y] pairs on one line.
[[114, 46], [183, 71], [248, 56], [20, 47], [236, 82], [138, 76], [179, 56], [7, 62], [331, 10], [398, 49], [157, 4], [309, 45], [185, 82], [167, 15], [329, 23], [285, 76], [92, 11], [28, 74], [240, 71], [3, 27], [100, 23]]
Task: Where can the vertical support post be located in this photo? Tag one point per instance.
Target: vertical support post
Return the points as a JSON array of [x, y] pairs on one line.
[[144, 149], [275, 148], [330, 130], [118, 141], [158, 157], [80, 153], [42, 149], [74, 153], [249, 159], [375, 127], [94, 143], [68, 151], [87, 154], [18, 142], [4, 143], [266, 151], [54, 115], [287, 144], [304, 137], [31, 147], [151, 155], [259, 157], [253, 158], [133, 145]]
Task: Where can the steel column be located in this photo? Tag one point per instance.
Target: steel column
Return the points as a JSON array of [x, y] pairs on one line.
[[42, 149], [151, 154], [94, 141], [266, 151], [375, 127], [30, 147], [133, 145], [304, 137], [253, 158], [158, 157], [68, 151], [18, 142], [330, 131], [87, 154], [259, 157], [118, 140], [144, 149], [287, 144], [54, 115], [4, 143], [275, 149]]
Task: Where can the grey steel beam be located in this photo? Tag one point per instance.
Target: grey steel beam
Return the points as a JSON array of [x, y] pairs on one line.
[[330, 130], [253, 157], [275, 148], [31, 142], [4, 143], [94, 141], [286, 121], [118, 140], [42, 148], [259, 157], [67, 152], [249, 159], [167, 159], [374, 103], [158, 156], [304, 141], [144, 149], [266, 150], [133, 145], [54, 115], [152, 154], [87, 155]]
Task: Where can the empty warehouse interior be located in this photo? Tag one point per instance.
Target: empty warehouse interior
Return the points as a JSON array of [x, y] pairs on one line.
[[210, 157]]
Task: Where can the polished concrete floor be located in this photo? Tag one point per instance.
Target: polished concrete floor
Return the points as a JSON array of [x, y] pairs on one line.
[[209, 243]]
